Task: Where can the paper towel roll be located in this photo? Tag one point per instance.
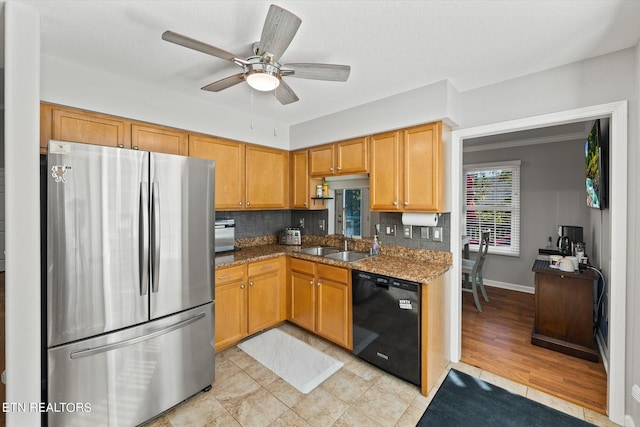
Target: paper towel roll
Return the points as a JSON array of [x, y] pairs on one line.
[[422, 219]]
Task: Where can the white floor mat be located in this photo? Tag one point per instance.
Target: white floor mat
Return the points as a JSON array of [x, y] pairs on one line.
[[294, 361]]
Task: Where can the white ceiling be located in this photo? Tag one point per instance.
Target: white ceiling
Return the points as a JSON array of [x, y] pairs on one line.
[[391, 46]]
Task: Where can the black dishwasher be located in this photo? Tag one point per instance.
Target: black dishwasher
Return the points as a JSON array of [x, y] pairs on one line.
[[386, 323]]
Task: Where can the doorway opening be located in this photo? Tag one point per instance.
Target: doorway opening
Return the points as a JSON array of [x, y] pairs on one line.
[[617, 112]]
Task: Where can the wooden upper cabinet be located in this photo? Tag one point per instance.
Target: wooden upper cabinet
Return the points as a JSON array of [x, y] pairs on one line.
[[352, 156], [267, 178], [159, 139], [82, 126], [384, 180], [300, 198], [340, 158], [321, 160], [407, 170], [423, 168], [230, 168]]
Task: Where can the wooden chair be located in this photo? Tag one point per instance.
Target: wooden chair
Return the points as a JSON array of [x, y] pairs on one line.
[[473, 268]]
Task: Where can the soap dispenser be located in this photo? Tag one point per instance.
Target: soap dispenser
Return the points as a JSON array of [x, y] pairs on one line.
[[376, 246]]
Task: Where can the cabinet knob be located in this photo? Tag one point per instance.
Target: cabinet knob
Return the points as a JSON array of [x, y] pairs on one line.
[[305, 204], [311, 282], [120, 145], [319, 284], [331, 169], [339, 167], [250, 283], [248, 204], [239, 203], [395, 203], [135, 147], [241, 286], [406, 203]]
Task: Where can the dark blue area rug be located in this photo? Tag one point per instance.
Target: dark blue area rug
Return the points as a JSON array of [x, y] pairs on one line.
[[463, 400]]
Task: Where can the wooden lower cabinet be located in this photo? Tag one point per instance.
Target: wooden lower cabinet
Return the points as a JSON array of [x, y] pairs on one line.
[[321, 300], [249, 298]]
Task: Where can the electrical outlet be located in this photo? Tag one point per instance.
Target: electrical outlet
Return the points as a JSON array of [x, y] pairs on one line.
[[390, 230], [301, 222], [321, 224], [407, 232], [424, 233], [437, 234]]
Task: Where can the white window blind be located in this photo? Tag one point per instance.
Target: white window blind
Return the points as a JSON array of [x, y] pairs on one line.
[[492, 202]]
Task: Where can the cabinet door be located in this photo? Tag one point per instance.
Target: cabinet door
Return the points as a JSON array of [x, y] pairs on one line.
[[385, 173], [267, 174], [321, 161], [229, 157], [264, 302], [422, 168], [91, 128], [300, 180], [333, 311], [158, 139], [352, 156], [303, 300], [231, 313]]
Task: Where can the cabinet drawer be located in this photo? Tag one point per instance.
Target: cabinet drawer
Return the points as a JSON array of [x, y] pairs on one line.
[[230, 274], [263, 267], [336, 274], [302, 266]]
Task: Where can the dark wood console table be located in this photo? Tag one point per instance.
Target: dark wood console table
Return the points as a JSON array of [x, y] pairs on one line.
[[564, 311]]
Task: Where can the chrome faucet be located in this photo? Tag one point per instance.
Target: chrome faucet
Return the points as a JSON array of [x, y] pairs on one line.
[[346, 239]]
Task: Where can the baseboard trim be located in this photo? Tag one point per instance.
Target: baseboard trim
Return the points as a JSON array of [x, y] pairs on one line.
[[601, 347], [510, 286]]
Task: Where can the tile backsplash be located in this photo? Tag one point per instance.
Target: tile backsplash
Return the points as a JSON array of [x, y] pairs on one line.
[[265, 223], [251, 224]]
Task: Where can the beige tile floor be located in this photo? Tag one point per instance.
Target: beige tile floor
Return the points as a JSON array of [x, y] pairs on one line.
[[245, 393]]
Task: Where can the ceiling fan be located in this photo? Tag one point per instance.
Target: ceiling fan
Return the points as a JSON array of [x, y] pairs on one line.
[[262, 71]]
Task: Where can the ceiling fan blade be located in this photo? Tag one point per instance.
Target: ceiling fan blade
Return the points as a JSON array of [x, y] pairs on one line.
[[224, 83], [194, 44], [285, 94], [331, 72], [280, 27]]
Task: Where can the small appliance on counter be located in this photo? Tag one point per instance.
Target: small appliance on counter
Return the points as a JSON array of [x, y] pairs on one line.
[[291, 236], [225, 235], [568, 236]]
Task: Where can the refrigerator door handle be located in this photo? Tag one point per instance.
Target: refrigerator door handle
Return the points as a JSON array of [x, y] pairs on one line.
[[144, 238], [155, 212], [125, 343]]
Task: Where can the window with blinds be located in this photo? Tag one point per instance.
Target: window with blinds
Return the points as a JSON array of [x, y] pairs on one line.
[[492, 202]]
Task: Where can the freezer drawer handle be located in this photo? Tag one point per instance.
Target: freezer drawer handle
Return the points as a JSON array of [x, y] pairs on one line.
[[93, 351], [144, 238], [155, 202]]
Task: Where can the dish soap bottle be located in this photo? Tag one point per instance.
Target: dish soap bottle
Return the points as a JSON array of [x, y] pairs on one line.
[[376, 246]]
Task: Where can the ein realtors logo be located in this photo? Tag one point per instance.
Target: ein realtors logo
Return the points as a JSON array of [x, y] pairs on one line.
[[46, 407]]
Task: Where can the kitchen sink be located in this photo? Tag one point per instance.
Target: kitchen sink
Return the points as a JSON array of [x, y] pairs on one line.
[[319, 250], [348, 256]]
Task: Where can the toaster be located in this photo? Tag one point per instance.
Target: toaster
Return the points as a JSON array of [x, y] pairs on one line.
[[291, 236]]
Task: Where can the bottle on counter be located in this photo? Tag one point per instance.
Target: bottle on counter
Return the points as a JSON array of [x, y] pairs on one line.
[[375, 250], [325, 189]]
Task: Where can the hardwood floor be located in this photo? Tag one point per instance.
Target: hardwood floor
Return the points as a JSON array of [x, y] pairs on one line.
[[498, 340]]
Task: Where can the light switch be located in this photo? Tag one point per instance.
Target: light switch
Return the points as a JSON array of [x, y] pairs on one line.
[[390, 230]]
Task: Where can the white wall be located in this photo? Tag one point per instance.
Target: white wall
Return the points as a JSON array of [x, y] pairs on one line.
[[79, 86], [438, 101], [22, 117]]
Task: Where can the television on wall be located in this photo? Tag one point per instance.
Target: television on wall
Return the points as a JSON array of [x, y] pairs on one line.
[[596, 151]]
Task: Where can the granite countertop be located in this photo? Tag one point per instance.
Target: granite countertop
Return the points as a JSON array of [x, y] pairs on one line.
[[403, 263]]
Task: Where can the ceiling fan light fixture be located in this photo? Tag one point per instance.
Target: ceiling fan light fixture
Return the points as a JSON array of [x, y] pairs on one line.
[[263, 81]]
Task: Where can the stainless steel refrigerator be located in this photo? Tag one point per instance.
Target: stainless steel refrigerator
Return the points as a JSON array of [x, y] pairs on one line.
[[129, 283]]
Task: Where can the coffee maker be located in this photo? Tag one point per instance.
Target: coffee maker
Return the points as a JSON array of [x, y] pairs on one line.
[[568, 236]]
